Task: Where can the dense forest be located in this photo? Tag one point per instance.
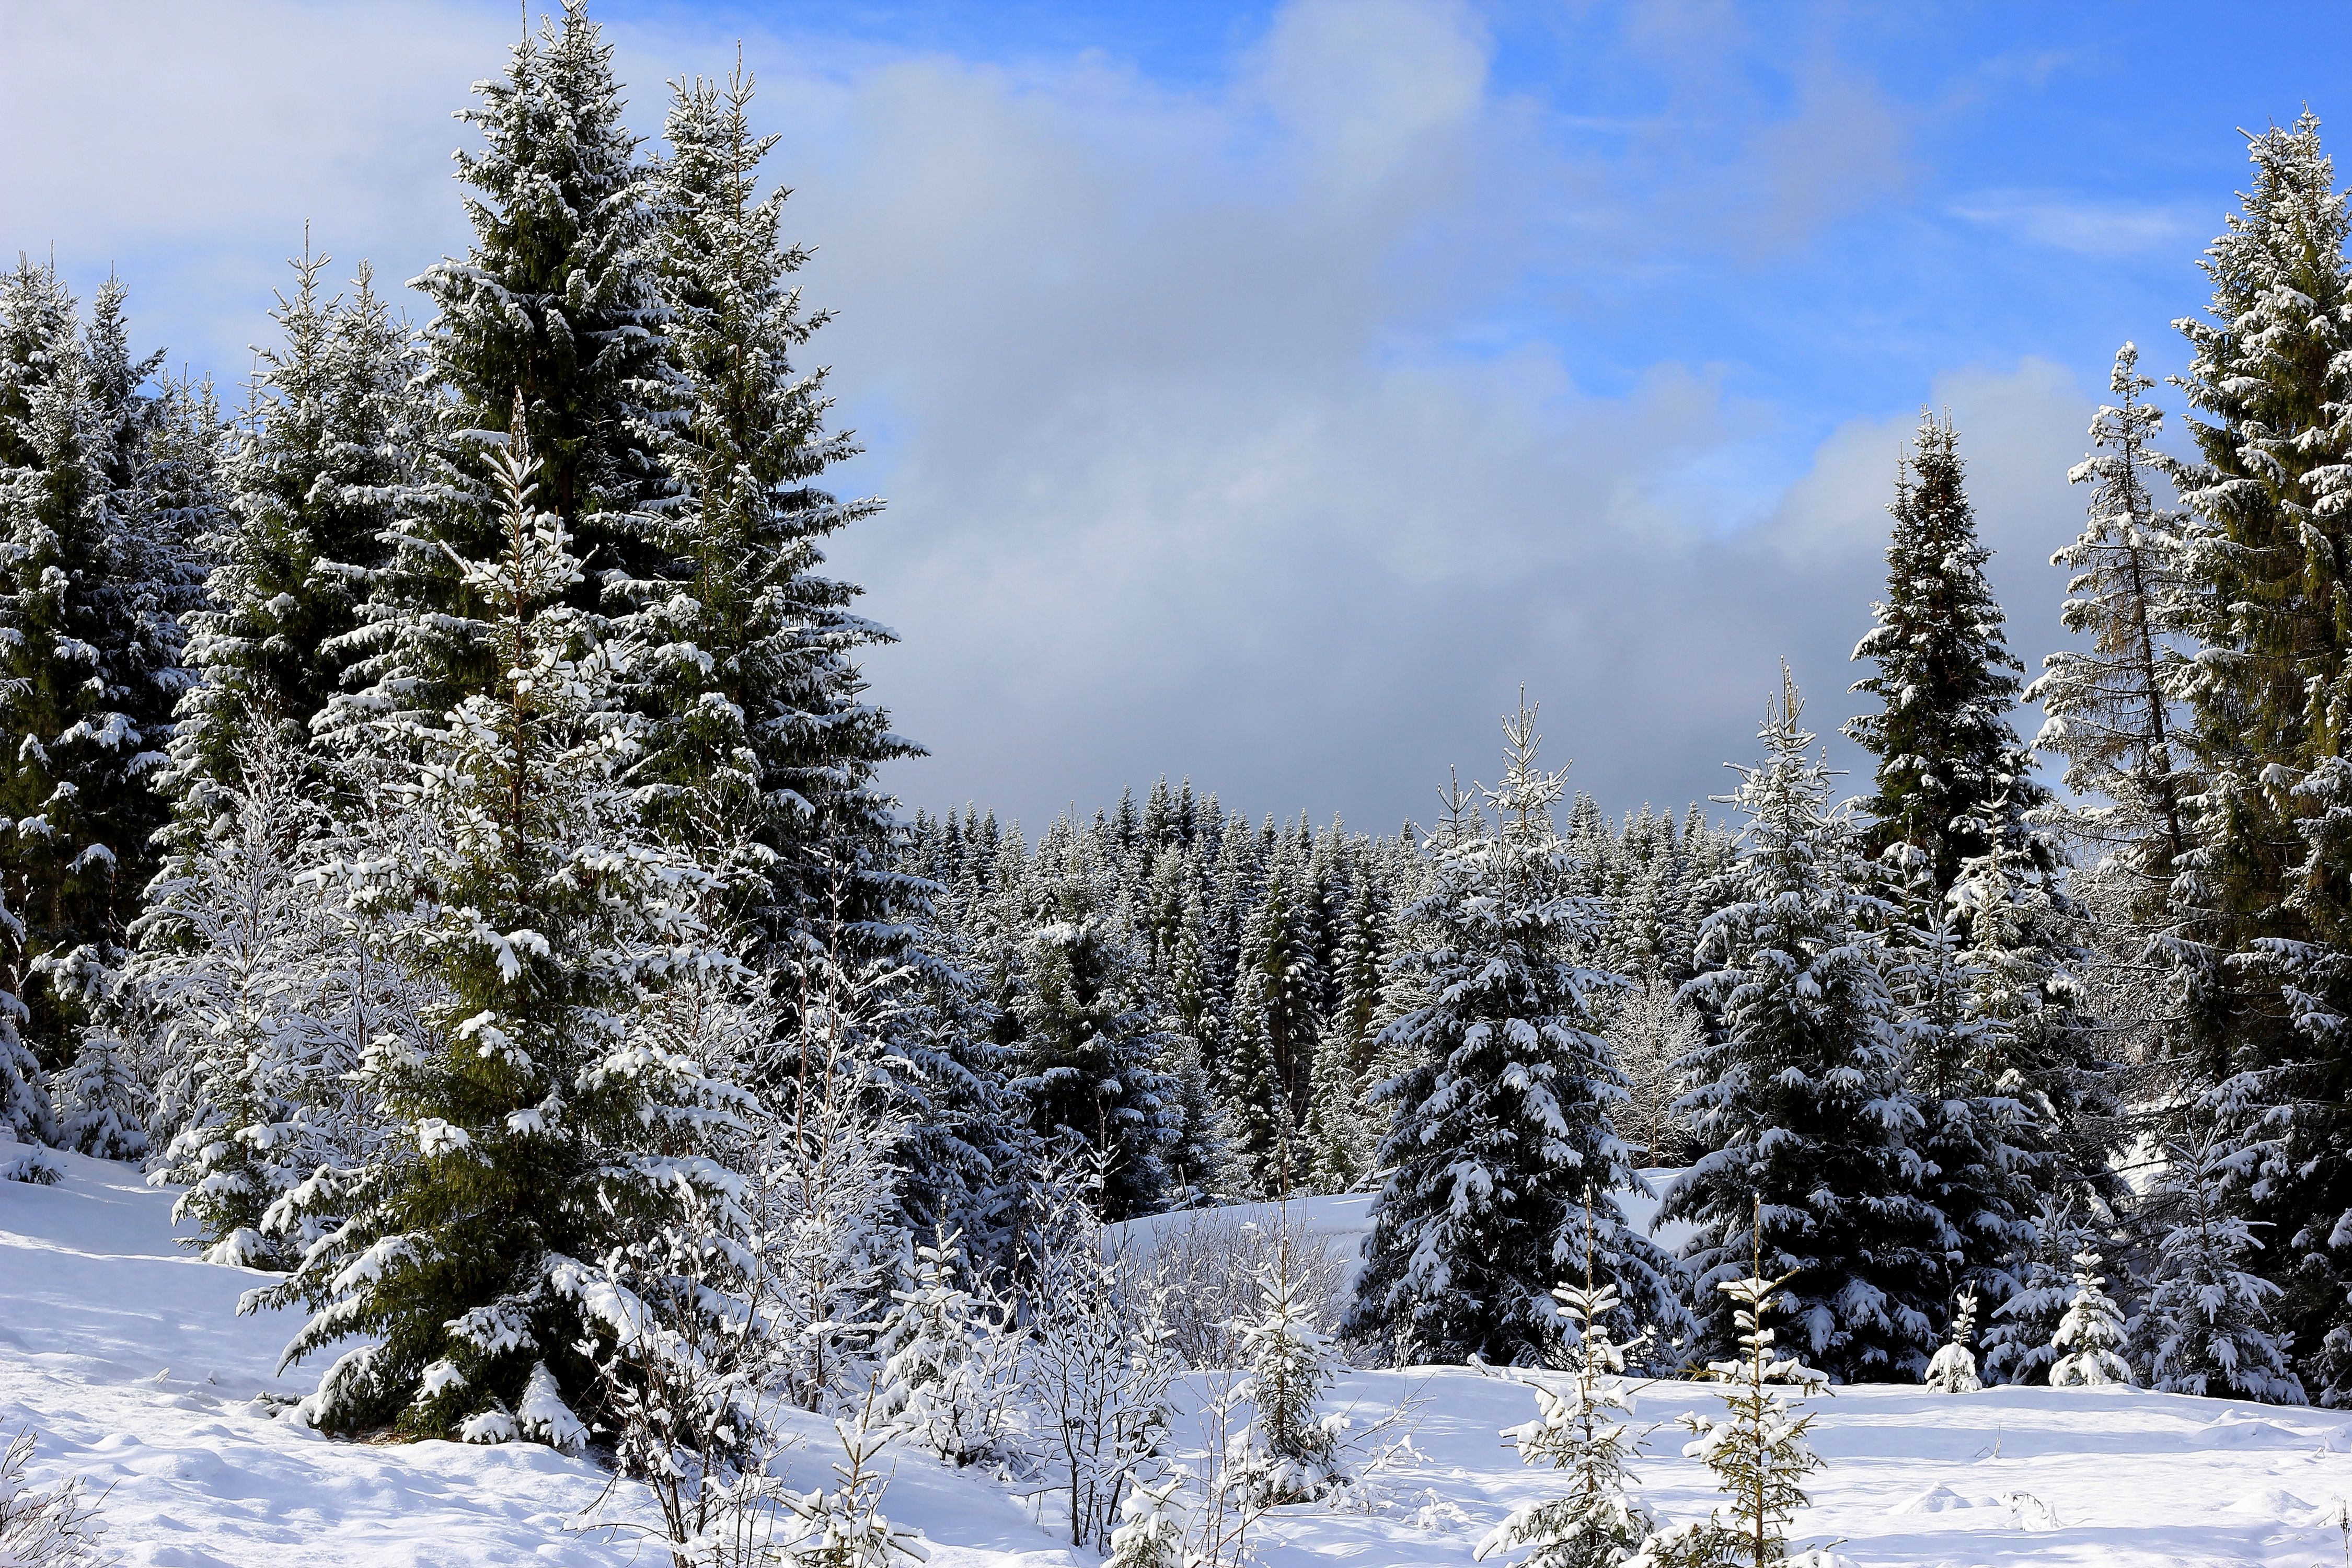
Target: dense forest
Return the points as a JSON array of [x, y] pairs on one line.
[[441, 834]]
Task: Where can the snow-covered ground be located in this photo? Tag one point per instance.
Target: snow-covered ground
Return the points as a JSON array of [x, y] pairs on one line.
[[124, 1352]]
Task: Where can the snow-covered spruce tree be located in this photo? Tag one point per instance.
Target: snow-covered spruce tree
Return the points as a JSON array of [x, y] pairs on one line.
[[554, 308], [1269, 1046], [758, 713], [92, 584], [320, 457], [948, 1359], [1979, 1131], [542, 1117], [1945, 679], [1341, 1134], [1504, 1118], [2024, 936], [1756, 1449], [2206, 1326], [2265, 568], [2090, 1338], [2110, 706], [1088, 1048], [2017, 1337], [1587, 1432], [1291, 1451], [1801, 1101], [1954, 1368]]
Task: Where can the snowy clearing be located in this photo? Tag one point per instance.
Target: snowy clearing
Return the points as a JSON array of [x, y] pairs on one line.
[[123, 1351]]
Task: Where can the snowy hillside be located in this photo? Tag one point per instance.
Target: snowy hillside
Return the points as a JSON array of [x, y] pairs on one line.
[[123, 1351]]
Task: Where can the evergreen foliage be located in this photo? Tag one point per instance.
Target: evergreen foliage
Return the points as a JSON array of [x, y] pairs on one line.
[[1801, 1102], [2267, 905], [1504, 1118], [761, 752], [93, 579], [2090, 1337], [2206, 1326], [1756, 1449], [1954, 1368], [542, 1114], [1587, 1432], [1945, 680]]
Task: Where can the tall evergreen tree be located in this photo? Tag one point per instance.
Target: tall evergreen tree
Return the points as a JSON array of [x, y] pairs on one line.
[[547, 1110], [2110, 706], [2267, 571], [554, 310], [93, 580], [1269, 1045], [1945, 680], [1088, 1053], [1502, 1124], [322, 453], [1801, 1101], [760, 716]]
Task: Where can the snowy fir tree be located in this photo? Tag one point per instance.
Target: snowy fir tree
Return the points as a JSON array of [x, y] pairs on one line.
[[1945, 680], [1087, 1054], [2111, 706], [1953, 1369], [2265, 913], [2090, 1338], [93, 580], [1586, 1432], [2018, 1334], [540, 1116], [1269, 1046], [758, 716], [554, 310], [2206, 1326], [321, 454], [1755, 1448], [1503, 1121], [1801, 1102], [1293, 1449], [1980, 1134], [948, 1361]]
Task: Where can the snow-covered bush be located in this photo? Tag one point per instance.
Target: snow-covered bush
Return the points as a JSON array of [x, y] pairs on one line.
[[1954, 1368], [950, 1359], [1206, 1266], [2090, 1338], [58, 1528], [35, 1164]]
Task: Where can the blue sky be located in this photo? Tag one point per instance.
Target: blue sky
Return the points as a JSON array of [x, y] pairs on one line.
[[1265, 392]]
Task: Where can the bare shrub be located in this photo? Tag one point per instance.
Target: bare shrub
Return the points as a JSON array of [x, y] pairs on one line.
[[1206, 1267]]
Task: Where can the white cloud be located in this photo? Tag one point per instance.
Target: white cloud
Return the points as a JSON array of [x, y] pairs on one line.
[[2086, 226]]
